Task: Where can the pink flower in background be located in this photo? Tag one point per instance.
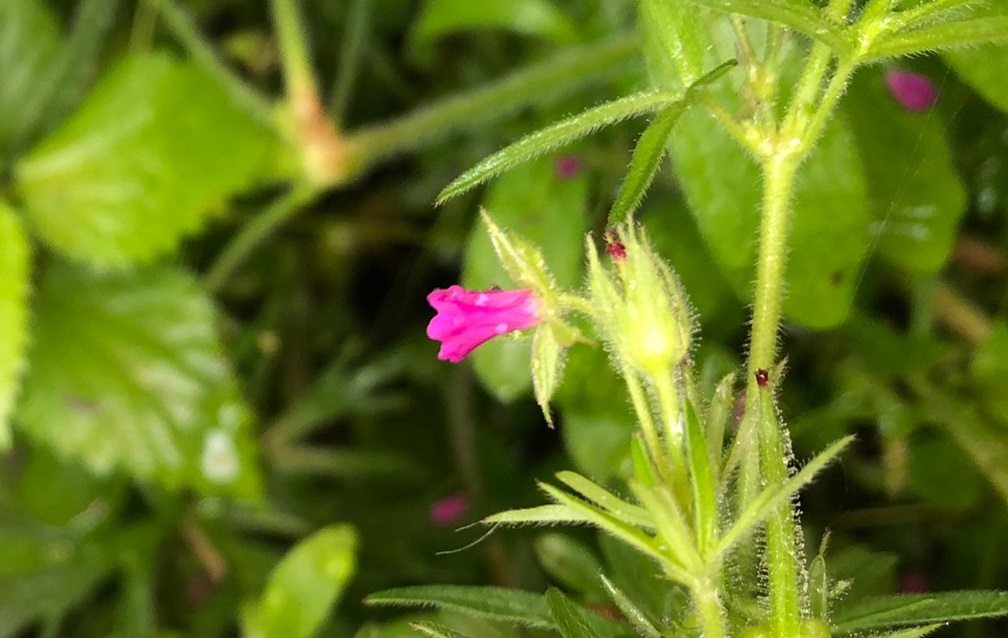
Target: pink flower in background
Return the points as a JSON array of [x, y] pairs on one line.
[[466, 319], [914, 92], [913, 583], [567, 166], [449, 510]]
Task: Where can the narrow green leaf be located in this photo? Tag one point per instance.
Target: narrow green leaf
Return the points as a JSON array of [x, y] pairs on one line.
[[915, 609], [630, 611], [944, 35], [14, 281], [799, 15], [913, 632], [627, 512], [547, 368], [304, 586], [496, 603], [531, 17], [541, 515], [679, 541], [153, 151], [570, 620], [616, 528], [128, 373], [557, 135], [705, 506], [435, 630], [674, 34], [644, 164], [719, 411], [772, 498]]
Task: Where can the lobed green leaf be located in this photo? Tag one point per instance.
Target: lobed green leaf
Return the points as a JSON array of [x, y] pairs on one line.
[[152, 153], [128, 373]]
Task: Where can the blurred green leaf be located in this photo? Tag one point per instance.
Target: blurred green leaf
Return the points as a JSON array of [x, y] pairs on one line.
[[570, 619], [29, 65], [985, 27], [14, 281], [155, 149], [932, 460], [800, 15], [128, 373], [304, 586], [983, 69], [914, 193], [49, 592], [917, 609], [830, 224], [674, 37], [437, 631], [546, 209], [913, 632], [570, 563], [531, 17]]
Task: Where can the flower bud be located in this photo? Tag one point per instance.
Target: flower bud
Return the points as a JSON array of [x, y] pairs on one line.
[[641, 308]]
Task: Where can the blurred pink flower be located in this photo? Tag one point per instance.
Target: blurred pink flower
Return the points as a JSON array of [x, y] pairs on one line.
[[449, 510], [466, 319], [914, 92], [567, 166], [913, 583]]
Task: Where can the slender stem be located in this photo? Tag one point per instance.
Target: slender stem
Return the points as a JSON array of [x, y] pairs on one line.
[[959, 314], [782, 558], [203, 54], [643, 410], [778, 186], [529, 86], [708, 607], [254, 233], [827, 104], [298, 74]]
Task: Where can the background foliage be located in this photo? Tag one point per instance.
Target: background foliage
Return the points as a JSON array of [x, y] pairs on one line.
[[218, 408]]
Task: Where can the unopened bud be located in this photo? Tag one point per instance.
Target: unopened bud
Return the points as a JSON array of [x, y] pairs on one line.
[[641, 308]]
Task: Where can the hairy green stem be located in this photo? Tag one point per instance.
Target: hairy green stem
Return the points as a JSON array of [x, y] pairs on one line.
[[709, 611], [529, 86], [778, 186]]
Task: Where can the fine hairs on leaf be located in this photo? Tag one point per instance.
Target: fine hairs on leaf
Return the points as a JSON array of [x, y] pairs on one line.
[[569, 130]]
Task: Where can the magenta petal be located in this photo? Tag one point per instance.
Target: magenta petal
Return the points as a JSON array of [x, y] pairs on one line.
[[914, 92], [449, 510], [466, 319]]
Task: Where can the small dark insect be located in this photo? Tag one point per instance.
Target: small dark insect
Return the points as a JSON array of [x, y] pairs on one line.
[[762, 378]]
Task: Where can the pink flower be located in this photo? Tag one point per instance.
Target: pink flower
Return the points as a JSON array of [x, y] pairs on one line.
[[449, 510], [466, 319], [567, 166], [913, 91]]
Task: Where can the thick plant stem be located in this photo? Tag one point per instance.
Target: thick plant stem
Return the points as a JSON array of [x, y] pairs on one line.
[[708, 608], [782, 564], [778, 185]]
